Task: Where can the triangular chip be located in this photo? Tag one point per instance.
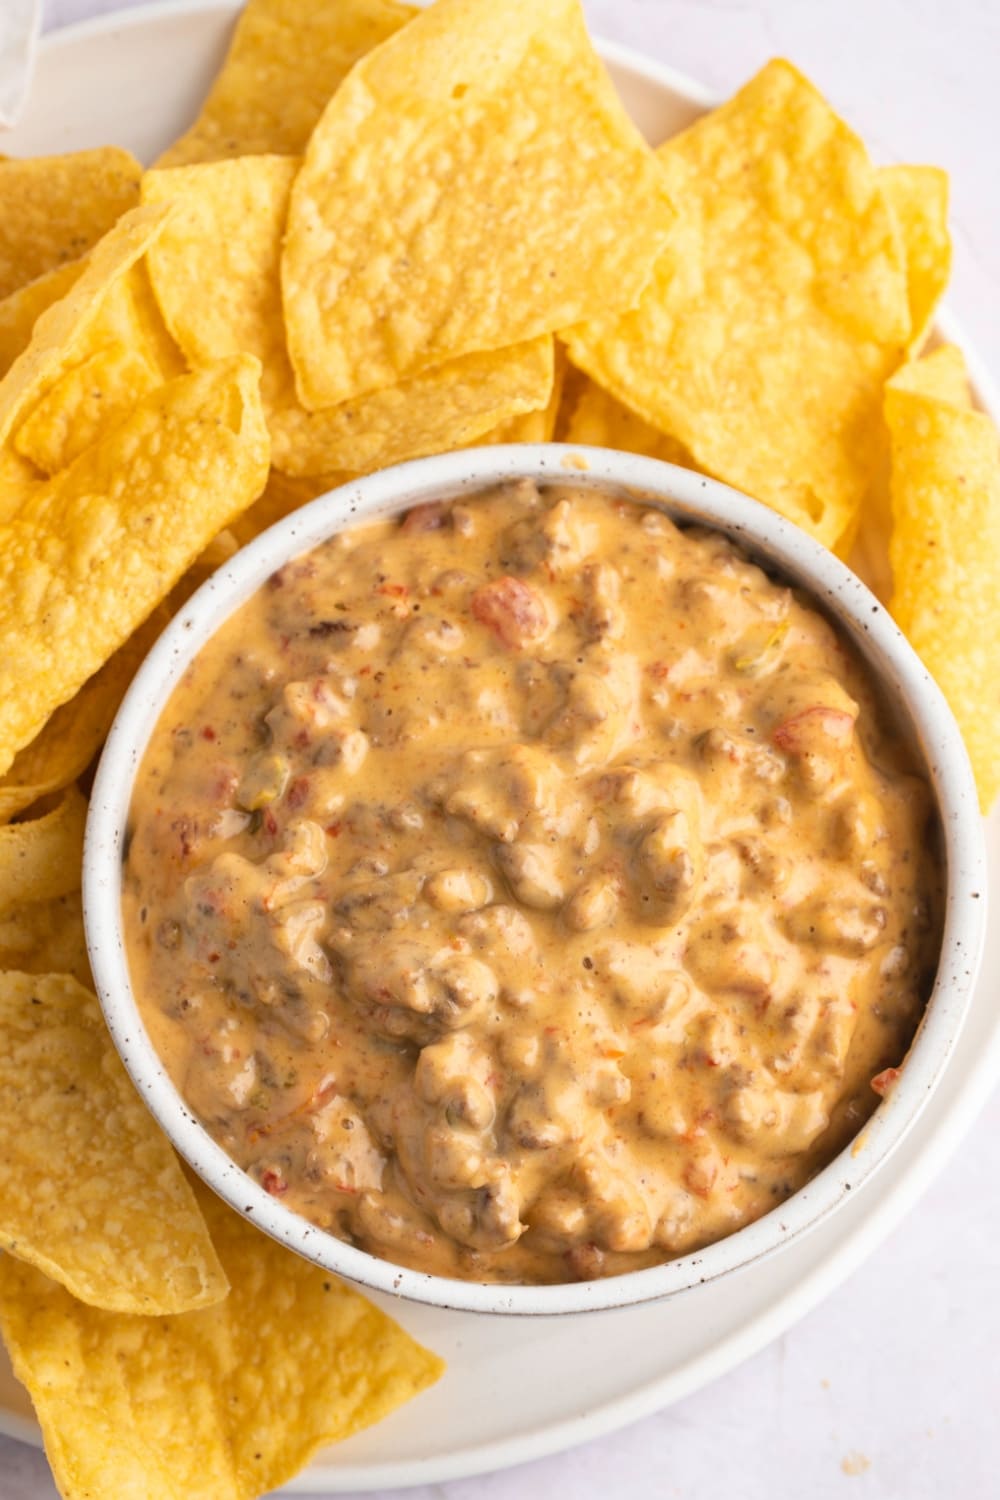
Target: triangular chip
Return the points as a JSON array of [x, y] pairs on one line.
[[474, 182], [918, 198], [123, 351], [40, 858], [96, 549], [776, 312], [109, 306], [439, 410], [945, 556], [90, 1189], [225, 232], [224, 1404], [89, 397], [54, 208], [285, 61], [21, 310], [47, 937], [941, 375], [598, 419], [71, 738], [537, 426]]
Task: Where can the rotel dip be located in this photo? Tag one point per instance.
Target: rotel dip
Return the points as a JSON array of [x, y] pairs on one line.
[[528, 889]]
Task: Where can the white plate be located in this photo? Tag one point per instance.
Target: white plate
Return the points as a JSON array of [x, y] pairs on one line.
[[516, 1389]]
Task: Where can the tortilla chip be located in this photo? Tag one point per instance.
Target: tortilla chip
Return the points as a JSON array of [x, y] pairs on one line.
[[941, 376], [222, 1404], [106, 304], [227, 220], [71, 738], [132, 354], [286, 59], [225, 232], [101, 544], [21, 310], [40, 859], [918, 198], [575, 382], [47, 937], [439, 410], [69, 418], [91, 1192], [19, 481], [54, 208], [533, 426], [777, 311], [865, 546], [599, 420], [945, 556], [430, 216]]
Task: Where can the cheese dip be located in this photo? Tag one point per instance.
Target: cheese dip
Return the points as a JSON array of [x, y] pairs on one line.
[[527, 889]]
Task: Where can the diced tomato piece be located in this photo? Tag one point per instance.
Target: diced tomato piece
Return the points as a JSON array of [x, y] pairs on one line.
[[272, 1182], [514, 612], [884, 1081], [298, 792], [807, 731]]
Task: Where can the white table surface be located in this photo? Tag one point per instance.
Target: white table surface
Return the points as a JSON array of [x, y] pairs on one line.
[[891, 1389]]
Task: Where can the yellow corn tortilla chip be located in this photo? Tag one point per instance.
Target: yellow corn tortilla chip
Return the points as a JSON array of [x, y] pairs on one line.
[[106, 303], [21, 310], [285, 61], [71, 738], [865, 545], [47, 937], [597, 418], [132, 353], [447, 407], [85, 563], [222, 1404], [90, 1190], [537, 426], [575, 383], [430, 215], [69, 418], [945, 556], [19, 481], [776, 312], [40, 859], [54, 208], [226, 223], [918, 198], [941, 375], [225, 232], [530, 427]]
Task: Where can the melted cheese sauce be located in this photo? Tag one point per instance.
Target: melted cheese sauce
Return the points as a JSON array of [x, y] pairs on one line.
[[529, 889]]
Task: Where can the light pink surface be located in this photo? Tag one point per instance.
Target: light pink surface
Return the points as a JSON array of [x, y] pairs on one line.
[[900, 1368]]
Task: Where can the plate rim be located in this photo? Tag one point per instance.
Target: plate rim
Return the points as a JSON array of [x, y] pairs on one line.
[[837, 1264]]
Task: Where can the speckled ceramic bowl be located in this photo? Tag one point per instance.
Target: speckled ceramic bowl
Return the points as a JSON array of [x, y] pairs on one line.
[[687, 497]]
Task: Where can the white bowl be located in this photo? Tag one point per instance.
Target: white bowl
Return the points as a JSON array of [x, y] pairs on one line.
[[688, 497]]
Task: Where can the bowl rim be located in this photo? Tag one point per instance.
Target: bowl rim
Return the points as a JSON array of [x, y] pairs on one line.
[[690, 498]]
